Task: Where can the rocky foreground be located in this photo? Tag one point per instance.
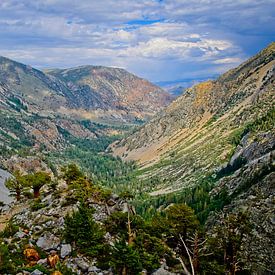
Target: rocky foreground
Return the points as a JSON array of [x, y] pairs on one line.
[[34, 232]]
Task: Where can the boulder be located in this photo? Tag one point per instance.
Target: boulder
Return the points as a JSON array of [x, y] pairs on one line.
[[66, 250], [83, 265], [43, 262], [94, 269], [162, 271], [37, 272], [20, 235], [48, 242]]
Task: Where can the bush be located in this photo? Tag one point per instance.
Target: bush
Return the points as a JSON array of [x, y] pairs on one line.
[[6, 265], [9, 230], [36, 205]]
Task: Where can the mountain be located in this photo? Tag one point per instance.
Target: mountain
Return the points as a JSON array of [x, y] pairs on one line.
[[93, 92], [113, 92], [201, 197], [39, 109], [177, 87], [41, 93], [214, 150], [198, 133]]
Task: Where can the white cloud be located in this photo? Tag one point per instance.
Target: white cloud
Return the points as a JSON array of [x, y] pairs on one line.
[[232, 60], [188, 37]]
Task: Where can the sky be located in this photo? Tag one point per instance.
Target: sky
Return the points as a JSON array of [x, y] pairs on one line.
[[160, 40]]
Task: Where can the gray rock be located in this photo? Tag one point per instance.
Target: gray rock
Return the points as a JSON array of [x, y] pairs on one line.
[[84, 266], [20, 235], [47, 200], [37, 272], [94, 269], [43, 262], [60, 222], [5, 208], [162, 271], [48, 224], [48, 241], [66, 250]]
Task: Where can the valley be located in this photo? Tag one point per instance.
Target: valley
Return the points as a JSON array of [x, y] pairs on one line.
[[142, 173]]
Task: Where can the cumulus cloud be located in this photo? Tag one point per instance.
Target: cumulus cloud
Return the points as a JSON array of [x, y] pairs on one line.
[[159, 40]]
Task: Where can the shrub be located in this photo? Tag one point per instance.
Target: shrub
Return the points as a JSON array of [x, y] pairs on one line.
[[9, 230], [36, 205], [6, 265]]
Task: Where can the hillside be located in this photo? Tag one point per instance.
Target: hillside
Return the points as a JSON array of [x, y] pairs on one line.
[[198, 133], [44, 110], [88, 92], [112, 93]]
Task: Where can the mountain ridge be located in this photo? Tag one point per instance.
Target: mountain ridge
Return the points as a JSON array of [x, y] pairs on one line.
[[101, 92], [185, 135]]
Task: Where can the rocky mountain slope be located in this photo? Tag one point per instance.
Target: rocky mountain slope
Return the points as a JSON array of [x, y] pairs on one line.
[[40, 110], [112, 92], [92, 92], [75, 226], [246, 185], [39, 230], [198, 133], [214, 149]]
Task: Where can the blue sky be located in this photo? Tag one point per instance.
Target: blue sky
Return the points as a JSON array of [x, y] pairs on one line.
[[160, 40]]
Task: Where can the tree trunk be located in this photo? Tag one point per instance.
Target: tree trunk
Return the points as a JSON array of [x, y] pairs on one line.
[[196, 254], [124, 271], [36, 192], [18, 194], [131, 234], [189, 256]]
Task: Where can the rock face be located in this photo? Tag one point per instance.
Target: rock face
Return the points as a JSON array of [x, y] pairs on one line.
[[250, 188], [198, 132], [4, 192], [66, 250]]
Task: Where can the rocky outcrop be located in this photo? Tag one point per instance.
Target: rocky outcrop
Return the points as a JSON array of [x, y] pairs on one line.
[[250, 189], [41, 231]]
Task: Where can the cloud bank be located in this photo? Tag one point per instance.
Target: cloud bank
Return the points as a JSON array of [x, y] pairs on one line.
[[158, 40]]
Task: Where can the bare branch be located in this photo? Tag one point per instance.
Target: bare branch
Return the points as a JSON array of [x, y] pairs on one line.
[[189, 256], [184, 266]]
